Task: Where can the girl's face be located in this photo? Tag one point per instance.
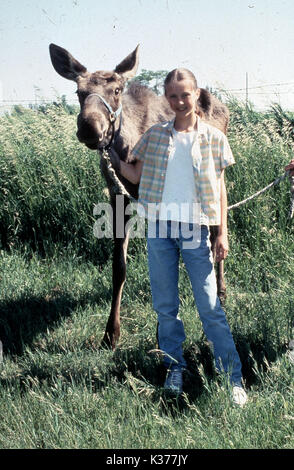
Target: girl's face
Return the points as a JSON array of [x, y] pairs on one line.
[[182, 97]]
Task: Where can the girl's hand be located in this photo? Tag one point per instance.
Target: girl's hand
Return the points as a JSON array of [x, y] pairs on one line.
[[221, 247]]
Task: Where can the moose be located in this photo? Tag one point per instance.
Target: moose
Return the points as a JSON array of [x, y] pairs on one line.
[[110, 118]]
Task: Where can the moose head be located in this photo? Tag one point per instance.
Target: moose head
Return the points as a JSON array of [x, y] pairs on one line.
[[99, 93]]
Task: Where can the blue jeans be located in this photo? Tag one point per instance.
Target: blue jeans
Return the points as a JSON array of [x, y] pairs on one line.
[[163, 260]]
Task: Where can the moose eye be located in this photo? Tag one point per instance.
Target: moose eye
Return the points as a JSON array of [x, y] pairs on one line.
[[116, 91]]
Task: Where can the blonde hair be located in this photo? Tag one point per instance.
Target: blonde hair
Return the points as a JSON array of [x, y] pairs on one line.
[[178, 75], [182, 74]]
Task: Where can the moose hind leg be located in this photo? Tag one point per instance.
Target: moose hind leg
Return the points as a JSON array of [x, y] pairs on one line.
[[220, 274], [221, 286]]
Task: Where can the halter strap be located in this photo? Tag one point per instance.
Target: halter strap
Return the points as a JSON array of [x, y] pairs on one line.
[[114, 114]]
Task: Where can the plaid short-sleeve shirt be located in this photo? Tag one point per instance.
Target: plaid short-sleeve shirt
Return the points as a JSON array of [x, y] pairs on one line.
[[215, 154]]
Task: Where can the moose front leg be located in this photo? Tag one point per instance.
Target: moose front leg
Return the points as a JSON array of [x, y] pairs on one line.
[[119, 261], [112, 332]]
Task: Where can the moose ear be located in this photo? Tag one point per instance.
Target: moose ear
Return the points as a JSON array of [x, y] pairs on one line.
[[128, 67], [64, 63]]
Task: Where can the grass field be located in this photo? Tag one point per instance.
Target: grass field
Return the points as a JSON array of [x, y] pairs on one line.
[[58, 389]]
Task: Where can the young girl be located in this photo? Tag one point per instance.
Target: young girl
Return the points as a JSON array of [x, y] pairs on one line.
[[179, 172]]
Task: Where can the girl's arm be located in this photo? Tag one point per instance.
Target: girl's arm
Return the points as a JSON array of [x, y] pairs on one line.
[[222, 244], [131, 171]]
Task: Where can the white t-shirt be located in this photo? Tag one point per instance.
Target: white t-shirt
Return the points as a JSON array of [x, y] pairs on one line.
[[179, 202]]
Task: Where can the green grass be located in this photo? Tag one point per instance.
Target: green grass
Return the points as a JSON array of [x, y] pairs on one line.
[[58, 388]]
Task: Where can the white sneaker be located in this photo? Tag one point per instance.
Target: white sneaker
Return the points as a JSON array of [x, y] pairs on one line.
[[239, 395], [174, 381]]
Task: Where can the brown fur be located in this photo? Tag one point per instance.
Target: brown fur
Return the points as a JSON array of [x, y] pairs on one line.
[[141, 109]]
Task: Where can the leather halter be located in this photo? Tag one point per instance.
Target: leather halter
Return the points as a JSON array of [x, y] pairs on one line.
[[113, 115]]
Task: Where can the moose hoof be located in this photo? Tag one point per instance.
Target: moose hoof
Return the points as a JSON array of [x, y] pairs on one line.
[[109, 341]]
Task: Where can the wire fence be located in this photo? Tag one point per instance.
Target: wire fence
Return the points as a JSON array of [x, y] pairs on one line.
[[257, 91]]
